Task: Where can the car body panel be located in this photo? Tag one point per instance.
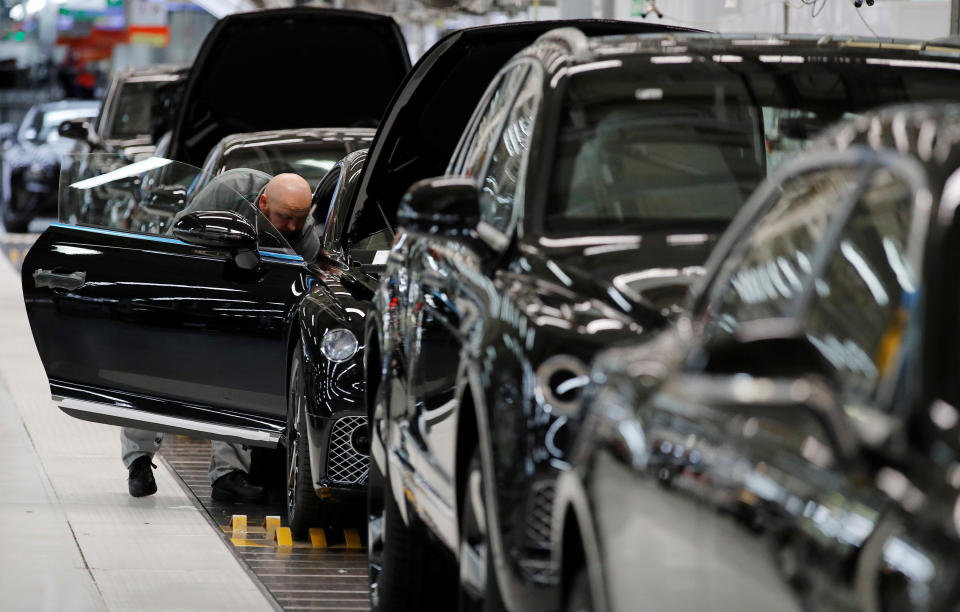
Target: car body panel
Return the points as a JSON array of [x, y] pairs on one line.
[[137, 325]]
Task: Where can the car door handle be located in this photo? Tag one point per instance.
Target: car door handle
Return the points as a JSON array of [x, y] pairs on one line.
[[59, 280]]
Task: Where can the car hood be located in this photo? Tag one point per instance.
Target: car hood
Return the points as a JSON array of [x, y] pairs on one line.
[[340, 67], [653, 270]]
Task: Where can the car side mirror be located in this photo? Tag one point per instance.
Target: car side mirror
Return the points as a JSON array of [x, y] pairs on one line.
[[77, 129], [220, 230], [446, 205]]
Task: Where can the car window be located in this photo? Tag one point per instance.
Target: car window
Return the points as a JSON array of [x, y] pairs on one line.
[[131, 111], [311, 160], [502, 184], [487, 123]]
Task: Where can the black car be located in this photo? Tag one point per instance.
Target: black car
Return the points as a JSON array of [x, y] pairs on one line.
[[31, 161], [197, 331], [583, 201], [815, 376]]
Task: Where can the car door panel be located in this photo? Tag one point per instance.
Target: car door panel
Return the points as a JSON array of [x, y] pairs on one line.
[[174, 328]]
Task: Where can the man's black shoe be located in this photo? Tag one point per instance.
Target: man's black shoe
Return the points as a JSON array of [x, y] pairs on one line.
[[141, 482], [234, 487]]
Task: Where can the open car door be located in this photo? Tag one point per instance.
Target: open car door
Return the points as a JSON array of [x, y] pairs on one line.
[[162, 317]]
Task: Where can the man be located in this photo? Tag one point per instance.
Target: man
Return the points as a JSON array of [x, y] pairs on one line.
[[284, 206]]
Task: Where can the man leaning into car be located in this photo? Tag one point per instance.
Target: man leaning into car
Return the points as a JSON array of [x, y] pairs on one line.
[[284, 202]]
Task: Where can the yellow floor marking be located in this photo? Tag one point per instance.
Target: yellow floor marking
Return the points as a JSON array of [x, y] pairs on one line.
[[352, 538], [245, 543], [284, 537], [14, 255], [271, 524], [318, 537], [239, 525]]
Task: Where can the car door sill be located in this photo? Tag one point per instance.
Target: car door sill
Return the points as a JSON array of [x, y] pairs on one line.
[[130, 417], [118, 407]]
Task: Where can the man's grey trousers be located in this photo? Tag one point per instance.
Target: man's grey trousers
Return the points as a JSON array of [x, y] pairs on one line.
[[225, 458]]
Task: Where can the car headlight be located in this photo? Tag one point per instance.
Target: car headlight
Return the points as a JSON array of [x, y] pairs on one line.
[[338, 345]]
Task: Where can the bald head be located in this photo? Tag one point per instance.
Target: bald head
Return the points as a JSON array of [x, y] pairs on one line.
[[285, 201]]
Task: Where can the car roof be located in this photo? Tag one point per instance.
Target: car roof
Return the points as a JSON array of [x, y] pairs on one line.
[[268, 137], [565, 47], [67, 104]]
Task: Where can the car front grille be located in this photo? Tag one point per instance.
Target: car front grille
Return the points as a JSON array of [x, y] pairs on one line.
[[540, 514], [345, 464]]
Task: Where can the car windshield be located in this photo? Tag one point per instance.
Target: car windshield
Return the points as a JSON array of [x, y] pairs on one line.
[[670, 140], [150, 196], [131, 115], [311, 160], [670, 146]]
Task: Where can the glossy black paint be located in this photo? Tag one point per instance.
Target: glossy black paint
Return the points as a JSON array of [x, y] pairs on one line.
[[807, 492], [164, 319], [467, 328], [31, 168], [355, 62]]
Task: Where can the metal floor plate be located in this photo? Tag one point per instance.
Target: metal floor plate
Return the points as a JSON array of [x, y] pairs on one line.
[[329, 572]]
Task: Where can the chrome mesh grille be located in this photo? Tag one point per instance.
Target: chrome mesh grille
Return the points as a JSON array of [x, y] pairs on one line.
[[540, 515], [345, 465]]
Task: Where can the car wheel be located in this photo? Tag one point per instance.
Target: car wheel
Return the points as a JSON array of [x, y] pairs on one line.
[[579, 598], [12, 207], [407, 570], [478, 583], [303, 506]]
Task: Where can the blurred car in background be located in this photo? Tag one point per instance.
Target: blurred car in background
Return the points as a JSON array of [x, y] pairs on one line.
[[815, 378], [31, 161], [125, 125]]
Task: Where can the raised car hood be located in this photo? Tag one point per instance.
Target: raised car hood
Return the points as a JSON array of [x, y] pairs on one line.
[[288, 68]]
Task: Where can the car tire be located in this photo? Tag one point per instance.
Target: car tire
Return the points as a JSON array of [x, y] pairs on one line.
[[13, 221], [476, 556], [304, 509], [579, 598], [407, 572]]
